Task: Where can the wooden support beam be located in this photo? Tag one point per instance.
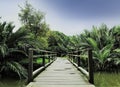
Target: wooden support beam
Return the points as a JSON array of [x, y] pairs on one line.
[[49, 58], [78, 59], [30, 67], [90, 66], [43, 59]]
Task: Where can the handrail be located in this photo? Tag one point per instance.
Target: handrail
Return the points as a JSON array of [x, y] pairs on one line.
[[45, 54], [45, 51], [75, 57]]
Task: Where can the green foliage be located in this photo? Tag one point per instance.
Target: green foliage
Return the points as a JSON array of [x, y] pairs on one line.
[[33, 20], [116, 32], [57, 42], [35, 33], [3, 50], [5, 33], [39, 60], [103, 42], [74, 43], [117, 50], [9, 44], [43, 43], [34, 23], [92, 43], [15, 67]]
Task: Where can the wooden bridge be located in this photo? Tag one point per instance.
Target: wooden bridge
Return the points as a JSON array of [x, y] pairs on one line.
[[60, 73]]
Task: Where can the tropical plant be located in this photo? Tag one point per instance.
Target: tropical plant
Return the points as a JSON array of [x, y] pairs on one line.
[[58, 42], [8, 66], [9, 45], [101, 56], [116, 33], [102, 41]]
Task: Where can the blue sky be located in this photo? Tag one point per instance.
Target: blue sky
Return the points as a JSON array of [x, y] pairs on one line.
[[68, 16], [85, 9]]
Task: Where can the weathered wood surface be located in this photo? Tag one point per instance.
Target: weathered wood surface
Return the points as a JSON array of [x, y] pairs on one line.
[[60, 74]]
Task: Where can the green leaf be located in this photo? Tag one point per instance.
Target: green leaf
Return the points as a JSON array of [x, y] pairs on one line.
[[117, 50], [92, 43]]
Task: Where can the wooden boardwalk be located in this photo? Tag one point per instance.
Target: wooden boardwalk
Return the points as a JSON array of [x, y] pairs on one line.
[[60, 74]]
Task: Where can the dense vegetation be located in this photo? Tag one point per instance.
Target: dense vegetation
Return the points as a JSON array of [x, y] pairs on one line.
[[35, 33], [14, 45], [105, 45]]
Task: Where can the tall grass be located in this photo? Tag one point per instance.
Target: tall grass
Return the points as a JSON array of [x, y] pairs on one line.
[[105, 79]]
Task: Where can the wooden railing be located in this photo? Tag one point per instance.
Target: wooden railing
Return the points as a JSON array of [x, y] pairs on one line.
[[51, 56], [74, 57]]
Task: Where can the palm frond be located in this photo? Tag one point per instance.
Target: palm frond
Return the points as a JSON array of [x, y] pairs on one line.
[[92, 43], [18, 51], [117, 50], [3, 50], [15, 67]]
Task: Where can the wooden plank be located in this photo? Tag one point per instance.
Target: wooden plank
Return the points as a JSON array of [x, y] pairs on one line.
[[38, 85], [61, 73]]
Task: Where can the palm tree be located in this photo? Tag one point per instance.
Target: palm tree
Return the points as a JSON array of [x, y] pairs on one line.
[[8, 44], [101, 40], [116, 32]]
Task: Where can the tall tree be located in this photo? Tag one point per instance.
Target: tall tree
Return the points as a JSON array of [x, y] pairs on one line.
[[33, 20]]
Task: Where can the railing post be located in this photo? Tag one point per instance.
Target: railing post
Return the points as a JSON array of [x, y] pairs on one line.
[[69, 54], [30, 67], [43, 61], [49, 57], [75, 58], [72, 57], [78, 59], [90, 66], [53, 56]]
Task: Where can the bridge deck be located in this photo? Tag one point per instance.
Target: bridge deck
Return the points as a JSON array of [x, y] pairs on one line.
[[60, 74]]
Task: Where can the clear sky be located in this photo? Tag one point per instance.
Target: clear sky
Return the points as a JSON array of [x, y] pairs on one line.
[[68, 16]]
